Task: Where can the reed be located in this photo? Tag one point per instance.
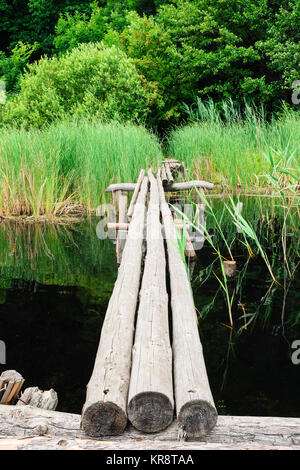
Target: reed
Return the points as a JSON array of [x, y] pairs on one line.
[[66, 167], [236, 149]]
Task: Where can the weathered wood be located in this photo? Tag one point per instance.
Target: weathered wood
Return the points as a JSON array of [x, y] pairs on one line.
[[39, 398], [186, 186], [104, 412], [11, 383], [150, 400], [125, 226], [169, 174], [229, 268], [230, 432], [120, 187], [135, 193], [195, 407], [189, 248], [238, 211], [122, 234], [164, 177]]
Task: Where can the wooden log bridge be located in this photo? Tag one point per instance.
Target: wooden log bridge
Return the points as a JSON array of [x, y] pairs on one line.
[[143, 377]]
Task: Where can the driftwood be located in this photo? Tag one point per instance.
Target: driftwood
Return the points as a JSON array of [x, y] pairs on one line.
[[38, 398], [186, 186], [104, 412], [150, 401], [196, 412], [11, 383], [135, 193], [28, 427]]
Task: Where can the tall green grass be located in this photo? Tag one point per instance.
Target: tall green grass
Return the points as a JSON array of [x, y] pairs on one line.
[[49, 172], [236, 149]]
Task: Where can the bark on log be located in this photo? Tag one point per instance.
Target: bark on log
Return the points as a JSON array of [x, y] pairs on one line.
[[150, 401], [104, 412], [230, 432], [135, 193], [195, 407]]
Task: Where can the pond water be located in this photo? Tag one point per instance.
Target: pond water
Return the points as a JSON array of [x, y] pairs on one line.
[[56, 281]]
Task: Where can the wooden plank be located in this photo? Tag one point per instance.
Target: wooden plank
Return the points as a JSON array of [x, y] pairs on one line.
[[135, 193], [195, 407], [150, 401], [104, 412], [230, 431]]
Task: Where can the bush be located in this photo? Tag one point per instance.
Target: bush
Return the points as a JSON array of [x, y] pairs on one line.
[[91, 80]]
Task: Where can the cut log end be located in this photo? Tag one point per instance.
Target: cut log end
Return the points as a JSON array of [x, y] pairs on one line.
[[197, 418], [103, 419], [150, 412], [229, 268]]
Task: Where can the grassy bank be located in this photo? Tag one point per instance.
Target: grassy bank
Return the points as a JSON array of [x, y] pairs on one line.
[[236, 152], [67, 166]]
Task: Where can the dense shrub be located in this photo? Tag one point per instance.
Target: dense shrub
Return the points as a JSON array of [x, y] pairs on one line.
[[91, 80]]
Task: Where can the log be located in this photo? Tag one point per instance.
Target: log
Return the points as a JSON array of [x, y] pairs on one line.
[[169, 174], [11, 383], [238, 211], [229, 268], [120, 187], [125, 226], [242, 432], [33, 396], [135, 193], [121, 235], [104, 412], [164, 175], [196, 412], [189, 248], [186, 186], [150, 401]]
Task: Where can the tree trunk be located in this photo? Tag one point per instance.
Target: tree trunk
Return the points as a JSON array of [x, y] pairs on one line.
[[150, 402], [195, 407], [104, 412]]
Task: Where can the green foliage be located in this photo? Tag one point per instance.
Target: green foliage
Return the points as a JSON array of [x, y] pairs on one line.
[[282, 46], [88, 81], [11, 67]]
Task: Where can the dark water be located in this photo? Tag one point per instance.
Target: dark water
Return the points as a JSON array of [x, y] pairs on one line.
[[55, 284]]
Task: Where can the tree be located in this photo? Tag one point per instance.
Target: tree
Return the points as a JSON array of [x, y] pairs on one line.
[[91, 81]]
